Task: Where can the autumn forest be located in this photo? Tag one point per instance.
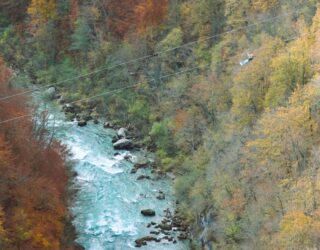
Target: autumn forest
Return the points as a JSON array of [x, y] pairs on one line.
[[225, 93]]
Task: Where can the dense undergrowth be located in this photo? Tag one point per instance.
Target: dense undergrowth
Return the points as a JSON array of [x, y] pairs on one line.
[[243, 141]]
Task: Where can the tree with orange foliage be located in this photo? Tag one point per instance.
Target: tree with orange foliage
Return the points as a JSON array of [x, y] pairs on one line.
[[28, 165], [120, 16], [74, 11], [126, 15], [150, 13]]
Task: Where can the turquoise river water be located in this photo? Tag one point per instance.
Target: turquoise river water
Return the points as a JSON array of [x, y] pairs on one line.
[[109, 198]]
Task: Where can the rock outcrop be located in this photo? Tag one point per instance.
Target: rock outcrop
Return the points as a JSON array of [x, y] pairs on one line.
[[123, 144]]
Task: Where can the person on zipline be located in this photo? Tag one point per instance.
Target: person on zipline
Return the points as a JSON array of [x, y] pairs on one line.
[[249, 58]]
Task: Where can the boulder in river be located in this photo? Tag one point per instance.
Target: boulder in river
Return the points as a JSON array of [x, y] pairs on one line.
[[133, 171], [142, 177], [82, 123], [161, 196], [154, 232], [122, 132], [70, 108], [183, 236], [166, 227], [143, 241], [140, 165], [108, 125], [50, 93], [148, 212], [123, 144]]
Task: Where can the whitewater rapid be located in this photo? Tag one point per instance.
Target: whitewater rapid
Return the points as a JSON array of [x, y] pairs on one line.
[[109, 198]]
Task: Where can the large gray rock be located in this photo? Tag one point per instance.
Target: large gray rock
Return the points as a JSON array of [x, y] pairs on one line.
[[108, 125], [50, 92], [142, 177], [82, 123], [148, 212], [122, 132], [165, 226], [123, 144], [69, 108]]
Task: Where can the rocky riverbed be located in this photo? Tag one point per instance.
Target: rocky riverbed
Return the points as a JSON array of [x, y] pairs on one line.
[[122, 201]]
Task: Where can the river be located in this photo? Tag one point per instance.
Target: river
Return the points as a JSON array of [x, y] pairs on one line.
[[109, 198]]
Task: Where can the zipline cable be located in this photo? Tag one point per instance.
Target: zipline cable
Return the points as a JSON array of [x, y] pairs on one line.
[[201, 39], [135, 85]]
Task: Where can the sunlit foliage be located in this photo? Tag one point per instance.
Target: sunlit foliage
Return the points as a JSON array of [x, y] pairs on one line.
[[243, 141]]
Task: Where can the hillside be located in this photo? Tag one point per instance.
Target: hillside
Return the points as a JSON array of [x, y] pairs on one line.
[[243, 140]]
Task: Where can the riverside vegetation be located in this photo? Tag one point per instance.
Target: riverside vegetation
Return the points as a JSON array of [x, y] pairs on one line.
[[33, 181], [243, 140]]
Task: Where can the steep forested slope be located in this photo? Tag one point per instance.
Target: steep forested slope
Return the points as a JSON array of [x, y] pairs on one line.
[[243, 140], [33, 180]]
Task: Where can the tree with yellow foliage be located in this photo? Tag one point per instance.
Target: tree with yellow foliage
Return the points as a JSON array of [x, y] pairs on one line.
[[298, 231], [284, 137], [315, 47], [41, 11], [264, 5], [252, 82], [289, 69]]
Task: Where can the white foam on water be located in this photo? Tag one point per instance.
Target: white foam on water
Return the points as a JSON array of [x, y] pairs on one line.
[[54, 121], [104, 163], [96, 226], [127, 200], [81, 153], [131, 245], [78, 152], [102, 222], [84, 179], [95, 245], [134, 158], [122, 156], [119, 227], [89, 226], [99, 160]]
